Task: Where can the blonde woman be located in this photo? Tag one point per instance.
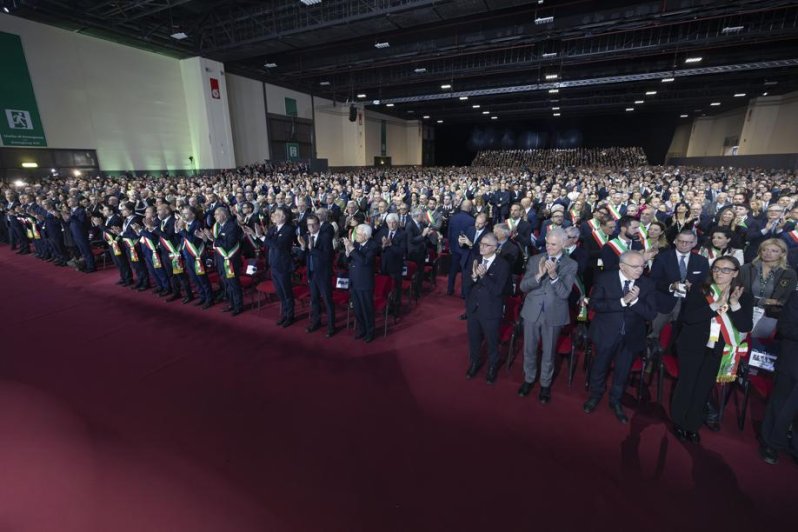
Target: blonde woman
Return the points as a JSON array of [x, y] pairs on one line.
[[768, 278]]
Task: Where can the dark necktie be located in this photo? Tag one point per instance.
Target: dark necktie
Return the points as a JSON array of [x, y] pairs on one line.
[[310, 256], [625, 291], [683, 267], [390, 235], [626, 287]]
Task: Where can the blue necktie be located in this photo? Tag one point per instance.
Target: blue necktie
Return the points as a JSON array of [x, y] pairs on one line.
[[310, 256], [683, 268], [625, 291]]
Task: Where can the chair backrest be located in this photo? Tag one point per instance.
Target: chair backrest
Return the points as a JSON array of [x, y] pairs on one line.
[[665, 337], [382, 286], [411, 269], [512, 308]]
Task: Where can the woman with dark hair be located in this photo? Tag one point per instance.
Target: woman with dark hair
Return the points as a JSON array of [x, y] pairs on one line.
[[680, 221], [719, 245], [715, 319]]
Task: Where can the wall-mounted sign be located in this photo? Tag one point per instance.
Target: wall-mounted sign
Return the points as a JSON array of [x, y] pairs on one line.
[[20, 124], [215, 92]]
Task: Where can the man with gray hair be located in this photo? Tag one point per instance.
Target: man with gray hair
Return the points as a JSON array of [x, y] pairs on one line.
[[360, 255], [547, 284]]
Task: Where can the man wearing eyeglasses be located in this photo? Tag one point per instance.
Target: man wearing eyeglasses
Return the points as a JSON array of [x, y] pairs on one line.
[[623, 301], [674, 271], [486, 286]]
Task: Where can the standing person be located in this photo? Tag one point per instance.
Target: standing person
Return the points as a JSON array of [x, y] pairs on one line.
[[318, 253], [171, 258], [769, 279], [130, 220], [715, 318], [782, 407], [190, 228], [360, 256], [547, 283], [393, 240], [279, 239], [487, 286], [79, 222], [459, 223], [627, 240], [624, 302], [109, 222], [226, 237]]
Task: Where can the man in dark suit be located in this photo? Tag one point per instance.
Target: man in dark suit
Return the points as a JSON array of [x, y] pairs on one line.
[[759, 231], [318, 253], [79, 222], [547, 284], [470, 240], [627, 240], [624, 302], [674, 272], [782, 405], [190, 227], [360, 255], [132, 247], [280, 239], [169, 249], [419, 237], [458, 225], [110, 221], [226, 238], [509, 250], [393, 240], [488, 284], [520, 229]]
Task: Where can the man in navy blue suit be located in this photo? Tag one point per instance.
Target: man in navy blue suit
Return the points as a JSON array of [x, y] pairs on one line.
[[393, 240], [674, 272], [226, 238], [488, 281], [317, 248], [471, 239], [360, 255], [458, 225], [280, 239], [627, 240], [79, 222], [624, 301]]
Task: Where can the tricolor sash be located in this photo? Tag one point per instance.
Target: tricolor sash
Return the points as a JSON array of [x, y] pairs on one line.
[[174, 255], [711, 253], [227, 256], [574, 216], [593, 224], [131, 244], [793, 235], [735, 347], [196, 253], [430, 218], [113, 243], [614, 211], [600, 237], [156, 260], [35, 230], [618, 246]]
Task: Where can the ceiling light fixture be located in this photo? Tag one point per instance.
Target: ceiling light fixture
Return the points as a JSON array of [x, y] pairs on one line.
[[425, 117], [381, 45], [475, 106], [30, 165], [555, 108], [324, 83], [544, 20], [388, 105], [715, 104], [419, 70], [630, 109], [668, 80], [554, 91], [376, 102], [682, 116], [693, 59], [310, 2], [361, 95], [739, 95], [764, 94], [549, 54], [556, 114], [446, 86], [485, 112], [651, 93], [177, 35], [462, 98], [440, 121], [270, 65], [494, 117], [551, 76], [638, 102], [732, 29]]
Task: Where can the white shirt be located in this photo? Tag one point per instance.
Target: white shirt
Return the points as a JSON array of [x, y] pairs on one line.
[[623, 279], [489, 261]]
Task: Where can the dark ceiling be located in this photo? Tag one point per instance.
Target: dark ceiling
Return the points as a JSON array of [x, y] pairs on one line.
[[497, 53]]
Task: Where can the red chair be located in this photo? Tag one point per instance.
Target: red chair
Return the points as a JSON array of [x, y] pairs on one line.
[[510, 325], [99, 252], [383, 285], [762, 384], [668, 364], [566, 346], [431, 267], [407, 278], [300, 287]]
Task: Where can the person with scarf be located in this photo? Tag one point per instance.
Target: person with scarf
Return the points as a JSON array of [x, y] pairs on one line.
[[716, 318], [190, 228]]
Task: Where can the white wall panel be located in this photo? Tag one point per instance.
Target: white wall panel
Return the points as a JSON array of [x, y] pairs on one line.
[[248, 119]]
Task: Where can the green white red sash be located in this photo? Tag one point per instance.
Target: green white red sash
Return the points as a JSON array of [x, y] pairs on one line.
[[35, 230], [574, 216], [735, 347], [174, 254], [618, 246], [227, 256], [196, 253], [512, 224], [711, 253], [593, 224], [430, 217], [600, 237], [156, 260], [615, 212], [131, 244], [793, 235], [113, 243]]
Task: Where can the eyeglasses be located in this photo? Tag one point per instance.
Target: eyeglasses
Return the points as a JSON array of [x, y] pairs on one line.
[[486, 245], [635, 266], [726, 271]]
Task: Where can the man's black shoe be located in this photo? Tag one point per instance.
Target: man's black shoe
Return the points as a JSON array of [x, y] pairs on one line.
[[368, 339], [358, 336], [312, 328], [287, 323], [236, 312], [227, 309], [694, 437], [617, 409], [206, 305], [187, 300], [473, 369], [173, 297], [769, 454], [493, 372], [525, 388], [590, 405], [545, 395], [330, 333], [280, 322]]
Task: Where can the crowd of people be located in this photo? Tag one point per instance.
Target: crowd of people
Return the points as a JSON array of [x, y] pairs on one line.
[[617, 156], [628, 248]]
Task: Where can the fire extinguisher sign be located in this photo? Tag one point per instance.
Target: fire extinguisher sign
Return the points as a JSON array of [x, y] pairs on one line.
[[215, 93]]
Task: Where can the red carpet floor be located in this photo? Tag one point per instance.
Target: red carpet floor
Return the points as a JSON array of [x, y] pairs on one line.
[[120, 412]]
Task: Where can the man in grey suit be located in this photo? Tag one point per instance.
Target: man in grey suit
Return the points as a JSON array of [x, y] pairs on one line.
[[547, 283]]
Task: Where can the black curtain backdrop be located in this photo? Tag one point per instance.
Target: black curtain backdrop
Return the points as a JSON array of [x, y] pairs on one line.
[[457, 144]]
